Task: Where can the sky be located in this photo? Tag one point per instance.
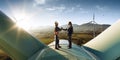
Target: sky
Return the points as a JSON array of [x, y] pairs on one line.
[[34, 13]]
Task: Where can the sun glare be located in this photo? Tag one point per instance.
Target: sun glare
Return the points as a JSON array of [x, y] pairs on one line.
[[23, 24], [22, 20]]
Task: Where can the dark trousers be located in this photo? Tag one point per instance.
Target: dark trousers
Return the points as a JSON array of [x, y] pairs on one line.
[[56, 41], [70, 41]]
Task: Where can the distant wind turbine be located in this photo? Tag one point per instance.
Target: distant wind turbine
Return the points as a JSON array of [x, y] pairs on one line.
[[93, 22]]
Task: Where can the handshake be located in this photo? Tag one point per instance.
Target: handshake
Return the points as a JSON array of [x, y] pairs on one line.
[[63, 29]]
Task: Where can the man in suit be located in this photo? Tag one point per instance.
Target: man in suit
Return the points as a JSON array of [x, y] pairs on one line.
[[69, 33]]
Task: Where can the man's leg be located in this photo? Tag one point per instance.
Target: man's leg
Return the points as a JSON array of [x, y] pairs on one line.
[[70, 42], [56, 42]]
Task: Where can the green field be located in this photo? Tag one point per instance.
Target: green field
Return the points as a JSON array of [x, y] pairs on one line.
[[46, 40], [77, 38]]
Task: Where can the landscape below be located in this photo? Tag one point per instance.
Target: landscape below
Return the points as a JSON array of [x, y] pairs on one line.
[[82, 34]]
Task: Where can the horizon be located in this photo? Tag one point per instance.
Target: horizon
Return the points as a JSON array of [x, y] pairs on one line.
[[64, 26]]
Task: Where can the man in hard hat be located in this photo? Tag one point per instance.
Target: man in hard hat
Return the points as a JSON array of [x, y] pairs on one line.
[[56, 32]]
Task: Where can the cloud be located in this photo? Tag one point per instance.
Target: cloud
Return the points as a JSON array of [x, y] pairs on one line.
[[70, 9], [76, 9], [101, 8], [78, 5], [51, 9], [40, 1], [56, 8], [83, 11]]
